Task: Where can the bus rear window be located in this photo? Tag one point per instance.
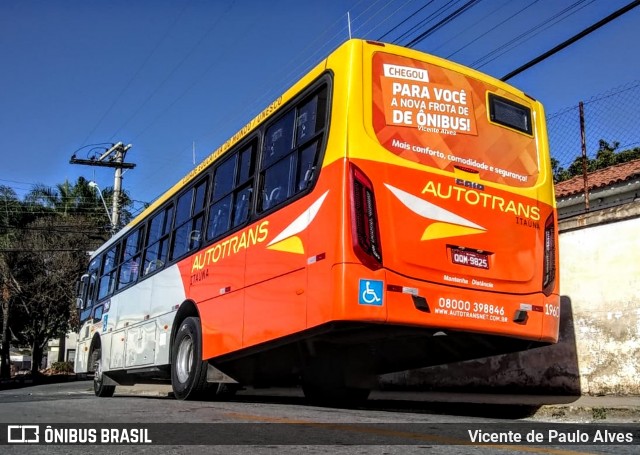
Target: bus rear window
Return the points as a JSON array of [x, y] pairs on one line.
[[510, 114]]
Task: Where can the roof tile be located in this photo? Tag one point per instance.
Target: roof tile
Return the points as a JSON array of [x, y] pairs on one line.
[[598, 179]]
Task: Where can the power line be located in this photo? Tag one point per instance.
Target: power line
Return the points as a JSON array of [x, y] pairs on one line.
[[267, 95], [174, 69], [572, 40], [493, 28], [389, 16], [60, 228], [426, 20], [58, 250], [531, 33], [380, 10], [406, 19], [466, 30], [135, 75], [442, 23]]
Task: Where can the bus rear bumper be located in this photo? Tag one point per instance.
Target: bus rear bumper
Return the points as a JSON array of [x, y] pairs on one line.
[[388, 297]]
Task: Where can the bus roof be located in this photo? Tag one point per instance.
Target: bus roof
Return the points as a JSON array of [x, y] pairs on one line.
[[290, 93]]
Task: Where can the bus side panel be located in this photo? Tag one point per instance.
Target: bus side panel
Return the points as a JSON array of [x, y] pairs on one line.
[[275, 308], [82, 359], [276, 275], [360, 294], [139, 320], [337, 279], [214, 279], [222, 321], [325, 243]]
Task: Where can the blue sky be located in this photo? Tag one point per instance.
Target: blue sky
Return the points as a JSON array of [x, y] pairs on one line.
[[164, 74]]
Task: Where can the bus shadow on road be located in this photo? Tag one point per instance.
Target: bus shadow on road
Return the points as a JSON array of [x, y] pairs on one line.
[[466, 409], [494, 411]]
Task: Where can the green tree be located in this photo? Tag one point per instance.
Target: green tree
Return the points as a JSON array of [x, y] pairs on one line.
[[53, 254], [606, 156], [68, 199], [10, 212], [44, 240], [559, 173]]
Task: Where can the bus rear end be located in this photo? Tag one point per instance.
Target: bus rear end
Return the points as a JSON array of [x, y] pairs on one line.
[[452, 214]]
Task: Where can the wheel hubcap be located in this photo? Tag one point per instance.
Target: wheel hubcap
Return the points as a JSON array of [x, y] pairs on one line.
[[185, 359], [97, 374]]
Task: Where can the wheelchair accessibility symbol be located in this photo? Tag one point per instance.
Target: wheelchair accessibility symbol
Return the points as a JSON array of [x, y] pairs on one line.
[[370, 292]]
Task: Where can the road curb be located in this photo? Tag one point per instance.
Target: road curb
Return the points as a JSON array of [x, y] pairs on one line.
[[589, 413]]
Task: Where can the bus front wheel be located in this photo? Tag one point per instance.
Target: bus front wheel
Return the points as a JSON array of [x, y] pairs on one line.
[[99, 387], [188, 371]]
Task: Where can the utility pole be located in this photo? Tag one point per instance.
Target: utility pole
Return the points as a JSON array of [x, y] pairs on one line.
[[113, 157]]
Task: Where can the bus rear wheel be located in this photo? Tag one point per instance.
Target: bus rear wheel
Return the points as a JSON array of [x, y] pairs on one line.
[[99, 387], [188, 371]]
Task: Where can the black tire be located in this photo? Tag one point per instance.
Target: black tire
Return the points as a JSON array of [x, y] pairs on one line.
[[188, 371], [99, 388]]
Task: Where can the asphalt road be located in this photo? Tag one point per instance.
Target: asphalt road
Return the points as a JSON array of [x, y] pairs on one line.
[[260, 422]]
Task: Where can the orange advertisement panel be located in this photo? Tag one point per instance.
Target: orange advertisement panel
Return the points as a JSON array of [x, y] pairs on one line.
[[438, 117]]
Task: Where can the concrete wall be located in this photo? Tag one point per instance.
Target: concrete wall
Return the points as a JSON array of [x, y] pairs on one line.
[[599, 347], [71, 343], [601, 276]]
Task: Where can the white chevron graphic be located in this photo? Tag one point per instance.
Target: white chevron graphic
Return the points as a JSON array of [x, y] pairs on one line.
[[302, 222], [431, 211]]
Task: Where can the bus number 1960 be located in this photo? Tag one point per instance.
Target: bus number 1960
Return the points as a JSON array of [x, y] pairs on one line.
[[552, 310]]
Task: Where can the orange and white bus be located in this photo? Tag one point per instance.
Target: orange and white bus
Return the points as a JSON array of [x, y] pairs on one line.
[[391, 210]]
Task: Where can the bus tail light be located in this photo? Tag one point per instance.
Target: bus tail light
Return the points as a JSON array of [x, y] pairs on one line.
[[549, 266], [364, 220]]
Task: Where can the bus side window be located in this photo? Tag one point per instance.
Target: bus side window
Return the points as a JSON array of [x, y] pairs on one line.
[[275, 181], [90, 288], [157, 245], [306, 121], [241, 209], [306, 166], [232, 195], [279, 139], [292, 170], [108, 275], [91, 292], [189, 217], [131, 255], [219, 218]]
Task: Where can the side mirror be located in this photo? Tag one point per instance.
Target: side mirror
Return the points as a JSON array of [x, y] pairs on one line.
[[79, 303]]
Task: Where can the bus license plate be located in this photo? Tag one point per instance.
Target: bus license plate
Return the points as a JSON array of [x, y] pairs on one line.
[[470, 258]]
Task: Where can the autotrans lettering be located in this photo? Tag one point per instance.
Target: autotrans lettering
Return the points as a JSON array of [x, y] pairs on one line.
[[231, 246], [472, 310], [484, 200]]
